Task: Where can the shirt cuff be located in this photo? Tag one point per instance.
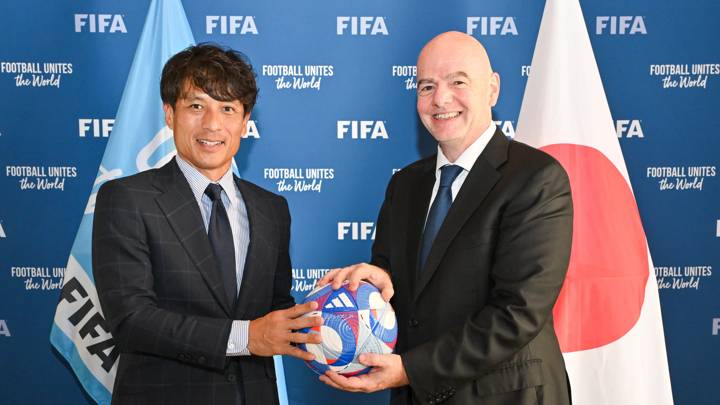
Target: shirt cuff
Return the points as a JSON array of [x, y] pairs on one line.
[[238, 341]]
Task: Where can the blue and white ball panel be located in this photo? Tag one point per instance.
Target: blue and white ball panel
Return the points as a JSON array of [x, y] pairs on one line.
[[379, 314], [369, 342], [364, 294], [318, 294]]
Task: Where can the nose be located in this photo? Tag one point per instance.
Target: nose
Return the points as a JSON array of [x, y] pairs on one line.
[[211, 120], [441, 96]]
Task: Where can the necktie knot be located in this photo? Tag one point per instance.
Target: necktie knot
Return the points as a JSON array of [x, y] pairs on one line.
[[214, 191], [448, 173]]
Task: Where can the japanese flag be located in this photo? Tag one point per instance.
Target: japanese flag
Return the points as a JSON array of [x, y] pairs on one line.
[[607, 316]]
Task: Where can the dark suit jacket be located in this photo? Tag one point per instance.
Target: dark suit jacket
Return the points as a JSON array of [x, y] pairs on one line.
[[163, 297], [476, 327]]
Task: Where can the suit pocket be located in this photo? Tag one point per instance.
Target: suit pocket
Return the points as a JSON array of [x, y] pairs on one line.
[[511, 377]]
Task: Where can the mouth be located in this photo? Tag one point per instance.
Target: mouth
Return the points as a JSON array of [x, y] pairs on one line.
[[447, 115], [208, 142]]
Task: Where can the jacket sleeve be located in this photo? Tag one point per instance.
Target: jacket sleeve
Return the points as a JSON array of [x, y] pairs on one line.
[[381, 245], [124, 278], [528, 269]]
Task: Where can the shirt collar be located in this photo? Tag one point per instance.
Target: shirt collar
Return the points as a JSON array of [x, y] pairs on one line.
[[467, 159], [198, 182]]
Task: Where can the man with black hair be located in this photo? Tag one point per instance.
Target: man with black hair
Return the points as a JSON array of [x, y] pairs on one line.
[[191, 263]]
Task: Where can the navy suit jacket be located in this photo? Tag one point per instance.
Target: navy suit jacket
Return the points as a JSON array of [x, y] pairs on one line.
[[163, 297]]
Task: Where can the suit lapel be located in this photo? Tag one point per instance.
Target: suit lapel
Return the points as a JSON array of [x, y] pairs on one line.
[[419, 201], [480, 180], [181, 209], [259, 254]]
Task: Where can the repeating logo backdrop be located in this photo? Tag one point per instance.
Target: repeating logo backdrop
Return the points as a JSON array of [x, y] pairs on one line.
[[335, 118]]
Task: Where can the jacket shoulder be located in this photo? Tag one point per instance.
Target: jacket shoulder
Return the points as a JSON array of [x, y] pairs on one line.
[[258, 191], [141, 182], [532, 158], [265, 199], [416, 168]]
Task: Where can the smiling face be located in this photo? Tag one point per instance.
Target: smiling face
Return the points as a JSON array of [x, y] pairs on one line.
[[456, 91], [207, 131]]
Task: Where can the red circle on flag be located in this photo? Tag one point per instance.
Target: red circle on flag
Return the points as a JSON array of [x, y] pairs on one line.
[[604, 289]]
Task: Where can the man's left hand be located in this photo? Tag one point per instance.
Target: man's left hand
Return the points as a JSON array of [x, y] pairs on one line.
[[387, 372]]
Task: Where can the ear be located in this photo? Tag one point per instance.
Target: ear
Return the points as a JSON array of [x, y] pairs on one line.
[[494, 85], [246, 118], [169, 114]]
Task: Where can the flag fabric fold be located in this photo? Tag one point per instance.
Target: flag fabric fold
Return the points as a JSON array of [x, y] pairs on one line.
[[607, 317]]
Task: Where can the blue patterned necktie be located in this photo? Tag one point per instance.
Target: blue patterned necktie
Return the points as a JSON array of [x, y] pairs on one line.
[[438, 211], [221, 240]]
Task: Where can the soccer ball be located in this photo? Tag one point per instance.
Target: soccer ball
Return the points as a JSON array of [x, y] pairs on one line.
[[354, 323]]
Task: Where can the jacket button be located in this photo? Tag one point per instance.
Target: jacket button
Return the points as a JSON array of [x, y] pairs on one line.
[[231, 377], [413, 323]]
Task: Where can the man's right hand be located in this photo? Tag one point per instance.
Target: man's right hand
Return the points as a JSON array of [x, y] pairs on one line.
[[361, 271], [275, 333]]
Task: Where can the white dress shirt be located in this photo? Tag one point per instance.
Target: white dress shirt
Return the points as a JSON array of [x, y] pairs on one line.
[[466, 160], [240, 227]]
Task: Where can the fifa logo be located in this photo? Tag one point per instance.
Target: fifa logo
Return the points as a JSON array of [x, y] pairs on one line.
[[101, 23], [507, 127], [361, 25], [4, 330], [356, 230], [629, 129], [361, 130], [233, 24], [620, 25], [491, 26], [100, 128]]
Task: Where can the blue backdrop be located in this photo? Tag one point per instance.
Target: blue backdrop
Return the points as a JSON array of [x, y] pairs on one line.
[[335, 117]]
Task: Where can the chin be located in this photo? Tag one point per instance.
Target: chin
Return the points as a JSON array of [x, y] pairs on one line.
[[444, 135]]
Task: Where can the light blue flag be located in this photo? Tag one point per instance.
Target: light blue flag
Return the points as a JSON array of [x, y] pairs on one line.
[[139, 141]]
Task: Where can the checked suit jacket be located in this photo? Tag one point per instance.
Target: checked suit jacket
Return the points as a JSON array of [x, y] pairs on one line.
[[163, 298], [475, 324]]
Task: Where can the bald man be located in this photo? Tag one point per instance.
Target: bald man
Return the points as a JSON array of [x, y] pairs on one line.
[[472, 245]]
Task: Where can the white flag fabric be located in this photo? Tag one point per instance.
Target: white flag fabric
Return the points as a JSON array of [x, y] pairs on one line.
[[608, 316]]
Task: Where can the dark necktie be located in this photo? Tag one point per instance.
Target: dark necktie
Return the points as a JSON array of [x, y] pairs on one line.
[[440, 207], [221, 240]]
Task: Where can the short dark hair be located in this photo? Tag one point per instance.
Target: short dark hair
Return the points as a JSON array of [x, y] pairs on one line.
[[223, 73]]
